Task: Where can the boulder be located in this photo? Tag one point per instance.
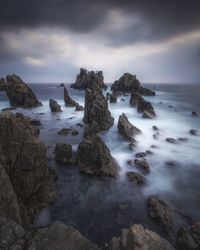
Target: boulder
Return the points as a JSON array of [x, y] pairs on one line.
[[142, 165], [54, 106], [126, 83], [193, 132], [113, 98], [89, 79], [64, 131], [142, 106], [2, 84], [94, 158], [24, 158], [172, 141], [140, 154], [160, 212], [139, 238], [19, 94], [135, 177], [188, 239], [79, 107], [35, 122], [69, 102], [126, 129], [96, 113], [63, 153], [60, 237], [155, 128]]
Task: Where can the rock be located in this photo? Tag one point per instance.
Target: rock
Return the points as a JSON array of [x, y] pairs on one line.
[[172, 140], [8, 109], [126, 83], [35, 122], [146, 92], [149, 152], [108, 96], [64, 131], [94, 158], [63, 153], [54, 106], [60, 237], [89, 79], [155, 128], [113, 98], [140, 154], [69, 102], [24, 158], [143, 106], [74, 132], [96, 113], [182, 139], [79, 107], [135, 177], [2, 84], [194, 114], [171, 106], [62, 85], [80, 125], [19, 94], [142, 165], [122, 100], [188, 239], [12, 235], [126, 129], [193, 132], [160, 212], [156, 135]]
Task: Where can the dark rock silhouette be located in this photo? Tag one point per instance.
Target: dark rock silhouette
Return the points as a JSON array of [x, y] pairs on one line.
[[54, 106]]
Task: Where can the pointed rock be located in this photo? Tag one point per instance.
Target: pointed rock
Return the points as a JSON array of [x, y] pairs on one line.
[[54, 106]]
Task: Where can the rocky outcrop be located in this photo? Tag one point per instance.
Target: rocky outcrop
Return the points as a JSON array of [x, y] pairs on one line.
[[69, 102], [19, 94], [146, 92], [113, 98], [188, 239], [24, 159], [89, 79], [142, 106], [139, 238], [135, 177], [96, 113], [2, 84], [54, 106], [160, 212], [63, 153], [94, 158], [126, 129]]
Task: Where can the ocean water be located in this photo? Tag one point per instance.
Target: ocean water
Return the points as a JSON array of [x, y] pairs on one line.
[[101, 207]]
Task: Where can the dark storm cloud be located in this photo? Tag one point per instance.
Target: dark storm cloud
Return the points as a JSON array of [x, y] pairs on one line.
[[160, 19]]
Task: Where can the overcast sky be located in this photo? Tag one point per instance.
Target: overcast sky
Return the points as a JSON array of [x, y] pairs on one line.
[[49, 40]]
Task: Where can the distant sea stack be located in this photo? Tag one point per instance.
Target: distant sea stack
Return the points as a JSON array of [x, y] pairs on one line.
[[19, 94], [129, 83], [88, 79]]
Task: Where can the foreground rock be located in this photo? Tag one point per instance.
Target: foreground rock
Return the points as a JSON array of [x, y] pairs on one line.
[[160, 212], [142, 165], [63, 153], [126, 129], [89, 79], [135, 177], [96, 113], [139, 238], [23, 157], [54, 106], [19, 94], [2, 84], [142, 106], [94, 158], [188, 239]]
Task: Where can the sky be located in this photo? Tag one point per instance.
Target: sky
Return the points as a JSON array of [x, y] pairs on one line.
[[49, 40]]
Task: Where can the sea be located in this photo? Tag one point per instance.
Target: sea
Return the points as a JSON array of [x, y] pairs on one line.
[[99, 207]]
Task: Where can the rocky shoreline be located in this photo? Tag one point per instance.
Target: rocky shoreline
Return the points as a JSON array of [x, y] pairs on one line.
[[28, 184]]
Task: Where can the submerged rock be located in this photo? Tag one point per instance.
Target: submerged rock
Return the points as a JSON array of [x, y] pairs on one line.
[[24, 158], [172, 141], [160, 212], [142, 165], [89, 79], [193, 132], [140, 154], [63, 153], [35, 122], [135, 177], [155, 128], [142, 106], [54, 106], [79, 107], [96, 113], [2, 84], [127, 129], [194, 114], [94, 158], [19, 94]]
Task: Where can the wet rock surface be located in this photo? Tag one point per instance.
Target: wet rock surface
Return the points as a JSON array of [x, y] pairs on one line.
[[89, 79], [94, 158], [142, 165], [63, 153], [19, 94], [135, 177], [54, 106]]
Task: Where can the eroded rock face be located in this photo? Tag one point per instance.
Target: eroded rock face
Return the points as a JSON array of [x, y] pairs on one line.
[[139, 238], [24, 158], [19, 94], [160, 212], [94, 158], [96, 113], [69, 102], [54, 106], [63, 153], [89, 79], [188, 239], [126, 129], [142, 106], [2, 84]]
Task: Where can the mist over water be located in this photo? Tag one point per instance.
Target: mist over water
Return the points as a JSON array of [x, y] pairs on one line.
[[101, 207]]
